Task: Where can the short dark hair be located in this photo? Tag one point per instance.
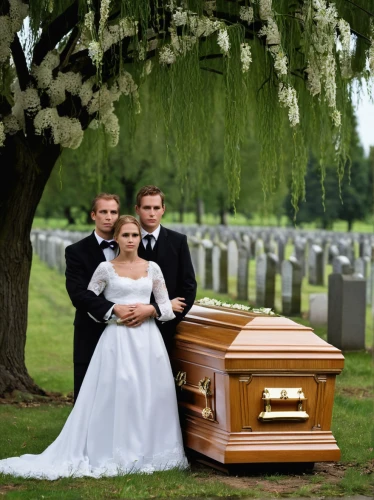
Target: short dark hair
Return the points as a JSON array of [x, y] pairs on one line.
[[149, 191], [125, 219], [105, 196]]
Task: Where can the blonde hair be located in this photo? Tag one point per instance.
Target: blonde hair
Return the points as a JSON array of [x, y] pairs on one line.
[[125, 219]]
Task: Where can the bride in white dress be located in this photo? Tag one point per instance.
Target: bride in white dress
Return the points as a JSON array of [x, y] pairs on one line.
[[126, 417]]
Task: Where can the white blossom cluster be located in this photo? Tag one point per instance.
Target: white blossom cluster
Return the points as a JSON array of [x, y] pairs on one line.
[[194, 27], [271, 32], [2, 134], [223, 41], [108, 34], [95, 52], [321, 67], [180, 17], [65, 131], [245, 56], [280, 60], [56, 87], [111, 126], [11, 124], [325, 14], [345, 35], [203, 26], [345, 52], [273, 42], [117, 32], [102, 103], [89, 20], [288, 99], [104, 14], [206, 301], [265, 9], [43, 72], [10, 25], [23, 101], [371, 50], [167, 55], [246, 14]]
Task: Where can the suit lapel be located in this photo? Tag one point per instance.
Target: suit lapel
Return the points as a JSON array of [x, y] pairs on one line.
[[162, 247]]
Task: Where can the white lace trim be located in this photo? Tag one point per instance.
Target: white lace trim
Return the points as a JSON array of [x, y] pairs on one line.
[[33, 466], [105, 275]]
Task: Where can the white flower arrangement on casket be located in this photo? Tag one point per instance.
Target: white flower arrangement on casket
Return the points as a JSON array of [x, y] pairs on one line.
[[206, 301]]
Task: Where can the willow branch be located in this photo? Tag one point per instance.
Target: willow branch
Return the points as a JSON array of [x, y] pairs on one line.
[[69, 47], [360, 35], [20, 62], [55, 31], [371, 14], [211, 70]]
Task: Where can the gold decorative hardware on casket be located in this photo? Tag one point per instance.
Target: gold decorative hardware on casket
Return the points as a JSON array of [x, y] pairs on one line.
[[181, 379], [204, 388], [278, 395]]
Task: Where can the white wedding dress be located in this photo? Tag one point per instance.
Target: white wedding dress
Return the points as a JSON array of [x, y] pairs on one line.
[[126, 417]]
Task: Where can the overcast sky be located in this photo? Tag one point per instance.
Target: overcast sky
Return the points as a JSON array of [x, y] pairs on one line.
[[365, 116]]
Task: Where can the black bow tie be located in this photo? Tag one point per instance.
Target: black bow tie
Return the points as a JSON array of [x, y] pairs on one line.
[[109, 244]]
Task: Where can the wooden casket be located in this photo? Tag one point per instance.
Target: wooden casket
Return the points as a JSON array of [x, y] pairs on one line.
[[254, 388]]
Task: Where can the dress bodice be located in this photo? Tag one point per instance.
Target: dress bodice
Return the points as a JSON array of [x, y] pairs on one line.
[[123, 290]]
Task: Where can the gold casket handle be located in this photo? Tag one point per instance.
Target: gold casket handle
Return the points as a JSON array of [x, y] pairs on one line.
[[281, 395], [181, 379], [204, 388]]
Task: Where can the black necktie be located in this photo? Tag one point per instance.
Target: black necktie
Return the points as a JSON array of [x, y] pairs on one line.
[[148, 248], [109, 244]]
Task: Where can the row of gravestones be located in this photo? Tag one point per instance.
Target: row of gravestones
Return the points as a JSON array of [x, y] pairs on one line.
[[216, 259], [50, 246]]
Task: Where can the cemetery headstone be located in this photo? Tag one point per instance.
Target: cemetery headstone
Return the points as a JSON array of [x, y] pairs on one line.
[[266, 266], [346, 312], [291, 287]]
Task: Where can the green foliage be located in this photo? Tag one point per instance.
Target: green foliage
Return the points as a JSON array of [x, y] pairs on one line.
[[332, 194], [183, 92]]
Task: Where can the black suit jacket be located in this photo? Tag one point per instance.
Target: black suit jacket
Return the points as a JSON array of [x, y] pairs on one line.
[[82, 259], [173, 257]]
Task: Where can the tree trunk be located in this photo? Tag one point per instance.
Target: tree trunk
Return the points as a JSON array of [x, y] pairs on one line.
[[223, 217], [69, 216], [129, 187], [29, 165], [350, 225], [199, 211], [181, 213]]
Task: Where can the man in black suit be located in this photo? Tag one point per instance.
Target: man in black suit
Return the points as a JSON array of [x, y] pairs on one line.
[[170, 251], [82, 259]]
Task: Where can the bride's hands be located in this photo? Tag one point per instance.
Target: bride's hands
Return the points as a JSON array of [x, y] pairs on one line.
[[138, 314], [123, 312]]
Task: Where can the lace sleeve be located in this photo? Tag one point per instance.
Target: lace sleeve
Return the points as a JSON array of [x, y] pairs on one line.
[[160, 292], [99, 279]]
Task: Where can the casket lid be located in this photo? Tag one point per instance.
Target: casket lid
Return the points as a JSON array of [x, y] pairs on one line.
[[246, 337]]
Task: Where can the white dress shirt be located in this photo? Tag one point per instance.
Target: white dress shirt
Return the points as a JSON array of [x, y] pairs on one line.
[[109, 253], [155, 234]]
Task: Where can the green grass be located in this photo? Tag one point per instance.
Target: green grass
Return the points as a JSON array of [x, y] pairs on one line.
[[49, 359], [49, 346]]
